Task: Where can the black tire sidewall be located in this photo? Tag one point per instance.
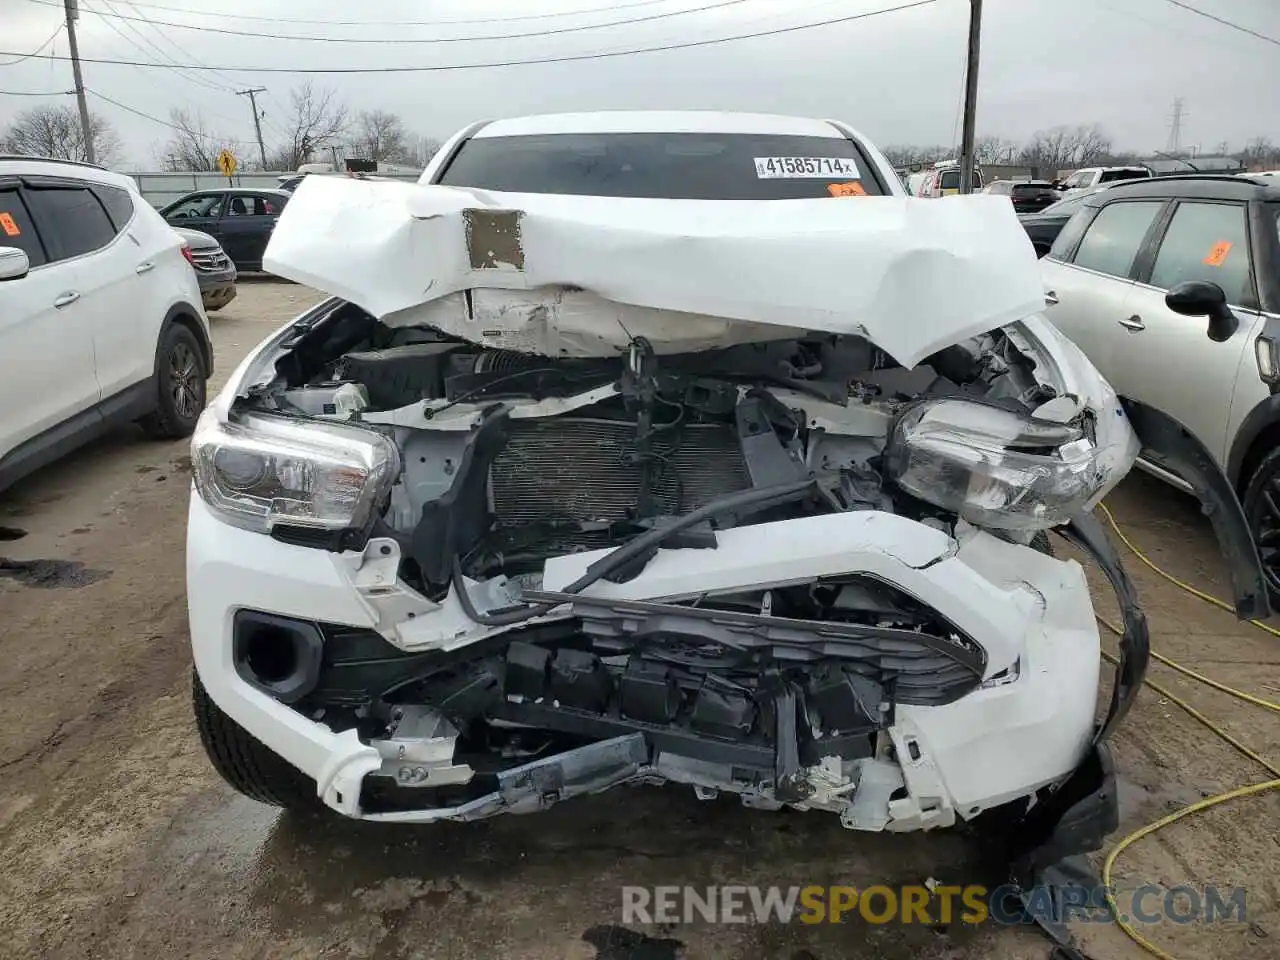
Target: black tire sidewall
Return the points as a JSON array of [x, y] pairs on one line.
[[175, 335], [1263, 473]]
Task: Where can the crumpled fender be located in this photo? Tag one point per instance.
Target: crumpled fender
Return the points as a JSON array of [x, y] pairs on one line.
[[1170, 445]]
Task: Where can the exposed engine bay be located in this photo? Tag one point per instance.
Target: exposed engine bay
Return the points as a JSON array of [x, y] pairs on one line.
[[783, 692], [544, 457]]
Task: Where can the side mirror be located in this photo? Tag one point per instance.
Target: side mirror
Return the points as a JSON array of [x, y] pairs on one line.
[[14, 264], [1198, 298]]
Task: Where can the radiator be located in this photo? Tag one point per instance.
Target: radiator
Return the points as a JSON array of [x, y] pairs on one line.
[[575, 469]]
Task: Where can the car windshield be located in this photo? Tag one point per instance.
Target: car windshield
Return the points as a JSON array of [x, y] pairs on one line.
[[1024, 189], [1126, 173], [679, 166]]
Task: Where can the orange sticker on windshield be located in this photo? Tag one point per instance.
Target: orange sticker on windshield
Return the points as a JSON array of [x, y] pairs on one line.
[[1218, 253], [846, 189], [9, 225]]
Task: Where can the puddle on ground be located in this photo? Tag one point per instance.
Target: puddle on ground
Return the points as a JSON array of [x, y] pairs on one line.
[[619, 943], [11, 533], [50, 574]]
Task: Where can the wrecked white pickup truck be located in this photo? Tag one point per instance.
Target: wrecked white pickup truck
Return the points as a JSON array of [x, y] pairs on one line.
[[666, 447]]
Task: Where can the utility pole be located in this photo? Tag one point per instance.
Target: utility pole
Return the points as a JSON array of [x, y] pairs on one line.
[[252, 94], [86, 130], [970, 99]]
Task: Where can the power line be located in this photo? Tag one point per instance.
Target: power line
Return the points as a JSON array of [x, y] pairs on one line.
[[167, 61], [1199, 37], [1226, 23], [139, 113], [27, 56], [168, 39], [145, 116], [257, 34], [566, 58], [404, 23]]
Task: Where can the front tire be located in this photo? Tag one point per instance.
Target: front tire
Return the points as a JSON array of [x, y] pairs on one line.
[[180, 385], [1261, 504], [246, 763]]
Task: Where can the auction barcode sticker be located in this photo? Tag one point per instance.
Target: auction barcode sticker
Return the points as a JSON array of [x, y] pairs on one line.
[[804, 168]]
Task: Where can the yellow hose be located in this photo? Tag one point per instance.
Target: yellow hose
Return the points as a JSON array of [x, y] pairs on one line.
[[1208, 802], [1174, 580]]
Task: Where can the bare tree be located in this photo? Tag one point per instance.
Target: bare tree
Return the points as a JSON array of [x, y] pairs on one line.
[[992, 149], [193, 146], [907, 154], [380, 135], [316, 121], [49, 131], [1260, 154], [424, 149], [1065, 148], [1049, 150]]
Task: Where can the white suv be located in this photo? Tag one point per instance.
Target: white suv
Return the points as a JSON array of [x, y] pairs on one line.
[[100, 316]]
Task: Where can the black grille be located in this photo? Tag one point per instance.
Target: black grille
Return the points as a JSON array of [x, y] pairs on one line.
[[573, 469]]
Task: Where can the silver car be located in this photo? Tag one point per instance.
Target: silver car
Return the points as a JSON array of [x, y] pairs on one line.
[[214, 269], [1171, 286]]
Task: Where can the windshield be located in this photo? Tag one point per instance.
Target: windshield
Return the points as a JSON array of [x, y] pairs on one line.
[[678, 166], [1031, 189], [950, 179], [1125, 173]]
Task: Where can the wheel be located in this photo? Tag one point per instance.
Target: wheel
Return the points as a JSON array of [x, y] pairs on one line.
[[1262, 509], [181, 385], [247, 764]]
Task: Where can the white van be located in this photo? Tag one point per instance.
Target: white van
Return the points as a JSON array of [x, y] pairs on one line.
[[944, 180]]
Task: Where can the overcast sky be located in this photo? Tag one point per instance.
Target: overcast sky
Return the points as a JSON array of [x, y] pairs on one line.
[[896, 77]]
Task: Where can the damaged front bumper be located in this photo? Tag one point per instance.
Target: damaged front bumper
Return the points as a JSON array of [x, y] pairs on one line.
[[1025, 731]]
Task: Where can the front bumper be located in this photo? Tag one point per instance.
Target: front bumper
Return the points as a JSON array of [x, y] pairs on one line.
[[1028, 727], [217, 289]]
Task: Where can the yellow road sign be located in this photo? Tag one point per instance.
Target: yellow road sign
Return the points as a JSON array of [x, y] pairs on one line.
[[226, 163]]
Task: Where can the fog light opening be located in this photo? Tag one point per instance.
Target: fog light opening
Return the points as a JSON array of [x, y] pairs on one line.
[[271, 655]]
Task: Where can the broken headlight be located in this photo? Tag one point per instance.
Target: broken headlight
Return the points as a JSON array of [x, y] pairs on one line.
[[998, 468], [261, 471]]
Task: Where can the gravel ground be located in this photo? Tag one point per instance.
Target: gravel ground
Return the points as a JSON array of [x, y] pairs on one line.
[[121, 842]]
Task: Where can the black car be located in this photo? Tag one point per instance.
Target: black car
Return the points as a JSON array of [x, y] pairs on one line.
[[1043, 227], [1028, 196], [240, 219]]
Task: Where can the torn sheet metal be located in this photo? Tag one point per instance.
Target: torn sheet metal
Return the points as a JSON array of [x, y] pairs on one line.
[[581, 276]]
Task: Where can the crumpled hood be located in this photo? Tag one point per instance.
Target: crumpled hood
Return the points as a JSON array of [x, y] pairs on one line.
[[591, 273]]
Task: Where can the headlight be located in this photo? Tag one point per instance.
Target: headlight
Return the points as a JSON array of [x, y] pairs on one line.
[[263, 470], [997, 468]]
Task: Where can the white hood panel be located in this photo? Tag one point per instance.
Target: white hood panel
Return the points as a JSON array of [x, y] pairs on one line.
[[582, 276]]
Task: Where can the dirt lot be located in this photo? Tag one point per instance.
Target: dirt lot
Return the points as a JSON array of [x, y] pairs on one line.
[[119, 841]]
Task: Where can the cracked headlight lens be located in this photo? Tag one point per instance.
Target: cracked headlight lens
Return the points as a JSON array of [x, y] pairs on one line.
[[1000, 469], [262, 470]]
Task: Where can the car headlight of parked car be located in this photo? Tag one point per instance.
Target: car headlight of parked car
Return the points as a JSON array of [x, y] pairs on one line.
[[261, 471], [1001, 469]]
